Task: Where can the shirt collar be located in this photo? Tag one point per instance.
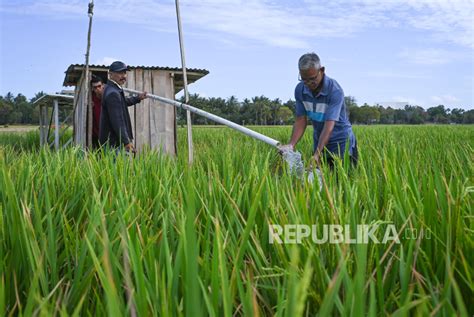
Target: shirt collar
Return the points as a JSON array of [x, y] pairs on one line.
[[324, 90], [112, 81]]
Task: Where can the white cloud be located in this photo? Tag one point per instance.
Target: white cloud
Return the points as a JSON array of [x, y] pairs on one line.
[[445, 99], [446, 20], [449, 20], [406, 100], [106, 60], [287, 23], [388, 74], [428, 56], [399, 102], [393, 104]]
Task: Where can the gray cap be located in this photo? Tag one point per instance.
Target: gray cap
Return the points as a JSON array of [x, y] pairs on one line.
[[118, 66]]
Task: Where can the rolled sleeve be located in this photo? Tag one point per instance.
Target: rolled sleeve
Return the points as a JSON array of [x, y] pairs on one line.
[[300, 109], [132, 100]]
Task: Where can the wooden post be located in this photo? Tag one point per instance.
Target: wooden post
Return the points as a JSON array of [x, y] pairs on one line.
[[87, 97], [44, 127], [56, 124], [41, 124], [80, 123]]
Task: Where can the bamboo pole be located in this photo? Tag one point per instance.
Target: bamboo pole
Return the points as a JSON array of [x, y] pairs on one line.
[[185, 80], [87, 96]]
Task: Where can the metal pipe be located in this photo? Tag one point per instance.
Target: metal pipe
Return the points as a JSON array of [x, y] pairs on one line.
[[185, 82], [212, 117]]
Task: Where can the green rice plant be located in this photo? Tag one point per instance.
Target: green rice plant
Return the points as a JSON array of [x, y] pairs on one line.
[[99, 234]]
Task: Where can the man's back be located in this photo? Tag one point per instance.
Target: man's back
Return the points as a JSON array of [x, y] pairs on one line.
[[115, 124]]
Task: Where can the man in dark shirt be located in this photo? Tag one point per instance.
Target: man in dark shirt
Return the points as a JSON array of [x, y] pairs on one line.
[[115, 124], [98, 87]]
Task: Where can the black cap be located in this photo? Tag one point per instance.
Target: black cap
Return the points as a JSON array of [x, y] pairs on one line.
[[118, 66]]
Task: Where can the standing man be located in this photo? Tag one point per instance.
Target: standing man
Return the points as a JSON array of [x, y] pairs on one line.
[[320, 98], [115, 123], [97, 92]]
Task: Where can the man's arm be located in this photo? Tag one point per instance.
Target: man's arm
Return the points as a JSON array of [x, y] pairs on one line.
[[135, 99], [332, 115], [323, 139], [300, 122], [298, 130], [117, 121]]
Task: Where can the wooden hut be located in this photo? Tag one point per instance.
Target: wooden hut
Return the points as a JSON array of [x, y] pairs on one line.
[[153, 122], [55, 112]]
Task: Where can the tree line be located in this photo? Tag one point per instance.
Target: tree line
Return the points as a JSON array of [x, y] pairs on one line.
[[264, 111], [18, 109], [410, 114], [261, 110]]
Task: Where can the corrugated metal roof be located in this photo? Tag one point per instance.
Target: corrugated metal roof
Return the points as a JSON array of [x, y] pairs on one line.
[[74, 71], [47, 100]]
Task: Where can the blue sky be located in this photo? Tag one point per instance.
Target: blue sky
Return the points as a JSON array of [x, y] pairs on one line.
[[419, 52]]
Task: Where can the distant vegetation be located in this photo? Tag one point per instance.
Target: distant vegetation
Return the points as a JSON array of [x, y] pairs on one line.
[[18, 110], [262, 111]]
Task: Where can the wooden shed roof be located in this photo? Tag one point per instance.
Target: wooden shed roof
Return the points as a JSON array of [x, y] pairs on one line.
[[74, 71], [47, 100]]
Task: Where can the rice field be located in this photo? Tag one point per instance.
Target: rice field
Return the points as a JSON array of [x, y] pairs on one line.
[[91, 234]]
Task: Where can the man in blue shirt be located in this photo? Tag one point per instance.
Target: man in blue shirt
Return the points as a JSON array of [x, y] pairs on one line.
[[320, 98]]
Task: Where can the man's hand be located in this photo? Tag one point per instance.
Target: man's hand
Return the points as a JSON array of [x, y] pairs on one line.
[[316, 159], [286, 148], [143, 95], [130, 148]]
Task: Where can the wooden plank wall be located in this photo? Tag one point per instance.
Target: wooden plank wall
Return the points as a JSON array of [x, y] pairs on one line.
[[80, 111], [163, 116], [155, 124], [147, 103], [130, 84]]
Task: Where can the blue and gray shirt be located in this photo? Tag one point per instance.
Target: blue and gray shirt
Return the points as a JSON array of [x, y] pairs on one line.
[[327, 105]]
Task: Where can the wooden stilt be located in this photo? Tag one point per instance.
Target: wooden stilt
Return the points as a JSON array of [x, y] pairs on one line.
[[56, 124]]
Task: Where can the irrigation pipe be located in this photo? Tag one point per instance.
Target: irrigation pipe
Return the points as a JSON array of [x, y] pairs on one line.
[[185, 86], [292, 158], [210, 116]]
